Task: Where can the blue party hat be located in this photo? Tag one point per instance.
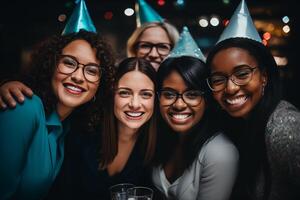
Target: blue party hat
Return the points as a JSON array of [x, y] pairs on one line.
[[240, 25], [186, 46], [144, 13], [80, 19]]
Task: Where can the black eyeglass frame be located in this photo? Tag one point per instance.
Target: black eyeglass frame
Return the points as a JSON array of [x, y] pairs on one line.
[[181, 95], [156, 47], [231, 77], [59, 57]]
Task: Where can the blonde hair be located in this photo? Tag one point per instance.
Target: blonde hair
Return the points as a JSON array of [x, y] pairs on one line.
[[171, 31]]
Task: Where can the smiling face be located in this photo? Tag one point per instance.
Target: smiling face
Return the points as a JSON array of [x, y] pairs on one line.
[[134, 100], [73, 90], [153, 35], [238, 101], [180, 116]]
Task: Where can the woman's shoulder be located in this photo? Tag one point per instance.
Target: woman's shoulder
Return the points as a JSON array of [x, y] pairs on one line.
[[219, 148], [283, 137], [285, 117], [30, 106]]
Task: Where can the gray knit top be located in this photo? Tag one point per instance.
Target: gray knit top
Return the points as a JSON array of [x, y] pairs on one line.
[[283, 150]]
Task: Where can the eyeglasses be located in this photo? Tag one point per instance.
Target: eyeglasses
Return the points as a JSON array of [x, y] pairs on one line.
[[190, 97], [241, 76], [68, 64], [162, 49]]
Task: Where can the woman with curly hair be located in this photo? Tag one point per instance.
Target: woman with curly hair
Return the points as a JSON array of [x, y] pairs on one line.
[[66, 73]]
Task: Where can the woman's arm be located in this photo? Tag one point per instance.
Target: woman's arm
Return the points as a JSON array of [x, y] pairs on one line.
[[17, 127], [283, 149], [220, 169], [13, 91]]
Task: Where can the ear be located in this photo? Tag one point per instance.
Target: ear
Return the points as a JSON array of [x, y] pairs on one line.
[[264, 77]]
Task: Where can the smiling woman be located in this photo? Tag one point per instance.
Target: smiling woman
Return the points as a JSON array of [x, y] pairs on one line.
[[32, 135], [128, 135]]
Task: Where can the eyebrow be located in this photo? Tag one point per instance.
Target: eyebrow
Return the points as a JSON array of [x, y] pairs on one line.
[[235, 68], [75, 58], [126, 88]]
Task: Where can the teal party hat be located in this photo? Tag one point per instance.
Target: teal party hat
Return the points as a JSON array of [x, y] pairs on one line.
[[144, 13], [80, 19], [186, 46], [240, 25]]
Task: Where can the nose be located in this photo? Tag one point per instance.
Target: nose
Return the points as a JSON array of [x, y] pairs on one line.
[[179, 104], [231, 87], [134, 102], [153, 53], [78, 76]]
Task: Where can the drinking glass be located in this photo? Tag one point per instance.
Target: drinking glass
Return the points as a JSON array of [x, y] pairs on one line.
[[139, 193], [119, 191]]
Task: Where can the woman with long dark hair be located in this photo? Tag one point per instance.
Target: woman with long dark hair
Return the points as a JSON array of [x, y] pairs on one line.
[[194, 159], [245, 84]]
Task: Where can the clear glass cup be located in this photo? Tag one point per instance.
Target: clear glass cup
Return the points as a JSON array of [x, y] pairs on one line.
[[140, 193], [119, 191]]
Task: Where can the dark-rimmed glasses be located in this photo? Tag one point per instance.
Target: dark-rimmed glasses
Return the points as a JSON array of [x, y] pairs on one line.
[[67, 64], [241, 76], [162, 49], [192, 98]]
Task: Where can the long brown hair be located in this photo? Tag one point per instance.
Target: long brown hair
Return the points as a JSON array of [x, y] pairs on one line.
[[146, 134]]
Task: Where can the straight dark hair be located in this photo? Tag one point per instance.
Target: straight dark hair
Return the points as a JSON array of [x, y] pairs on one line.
[[194, 73], [249, 135], [146, 134]]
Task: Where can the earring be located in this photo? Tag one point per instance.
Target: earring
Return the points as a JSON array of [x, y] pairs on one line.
[[263, 89], [94, 98]]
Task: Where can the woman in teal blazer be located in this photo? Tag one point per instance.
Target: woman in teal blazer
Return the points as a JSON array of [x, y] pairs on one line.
[[65, 75]]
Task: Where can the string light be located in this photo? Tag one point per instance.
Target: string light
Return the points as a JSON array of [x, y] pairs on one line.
[[161, 2], [108, 15], [128, 11]]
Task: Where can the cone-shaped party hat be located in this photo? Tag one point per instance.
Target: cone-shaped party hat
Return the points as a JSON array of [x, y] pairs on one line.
[[144, 13], [186, 46], [240, 25], [80, 19]]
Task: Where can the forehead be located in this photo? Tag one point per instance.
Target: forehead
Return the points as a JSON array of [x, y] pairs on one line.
[[228, 59], [136, 80], [82, 50], [174, 81], [155, 35]]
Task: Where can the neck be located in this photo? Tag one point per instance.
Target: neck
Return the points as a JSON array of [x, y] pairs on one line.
[[63, 111], [127, 135]]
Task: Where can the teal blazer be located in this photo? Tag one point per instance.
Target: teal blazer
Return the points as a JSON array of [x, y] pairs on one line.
[[31, 150]]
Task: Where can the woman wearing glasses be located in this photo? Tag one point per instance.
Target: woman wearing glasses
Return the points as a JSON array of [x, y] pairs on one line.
[[245, 84], [152, 41], [194, 159], [66, 73]]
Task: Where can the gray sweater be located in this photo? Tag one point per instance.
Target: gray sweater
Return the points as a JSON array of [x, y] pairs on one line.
[[283, 150]]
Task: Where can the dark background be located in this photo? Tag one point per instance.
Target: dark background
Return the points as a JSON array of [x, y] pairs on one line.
[[25, 23]]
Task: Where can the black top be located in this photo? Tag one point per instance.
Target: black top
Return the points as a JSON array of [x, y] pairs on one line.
[[80, 178]]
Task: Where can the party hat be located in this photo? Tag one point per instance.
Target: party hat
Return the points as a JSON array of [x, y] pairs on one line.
[[80, 19], [240, 25], [186, 46], [144, 13]]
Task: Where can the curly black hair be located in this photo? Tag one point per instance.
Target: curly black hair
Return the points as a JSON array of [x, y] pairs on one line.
[[43, 65]]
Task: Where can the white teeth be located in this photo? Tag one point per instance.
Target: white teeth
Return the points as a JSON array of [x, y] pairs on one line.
[[180, 116], [238, 100], [74, 88], [134, 114]]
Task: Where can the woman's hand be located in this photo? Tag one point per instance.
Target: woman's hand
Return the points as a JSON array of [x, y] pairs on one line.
[[12, 92]]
